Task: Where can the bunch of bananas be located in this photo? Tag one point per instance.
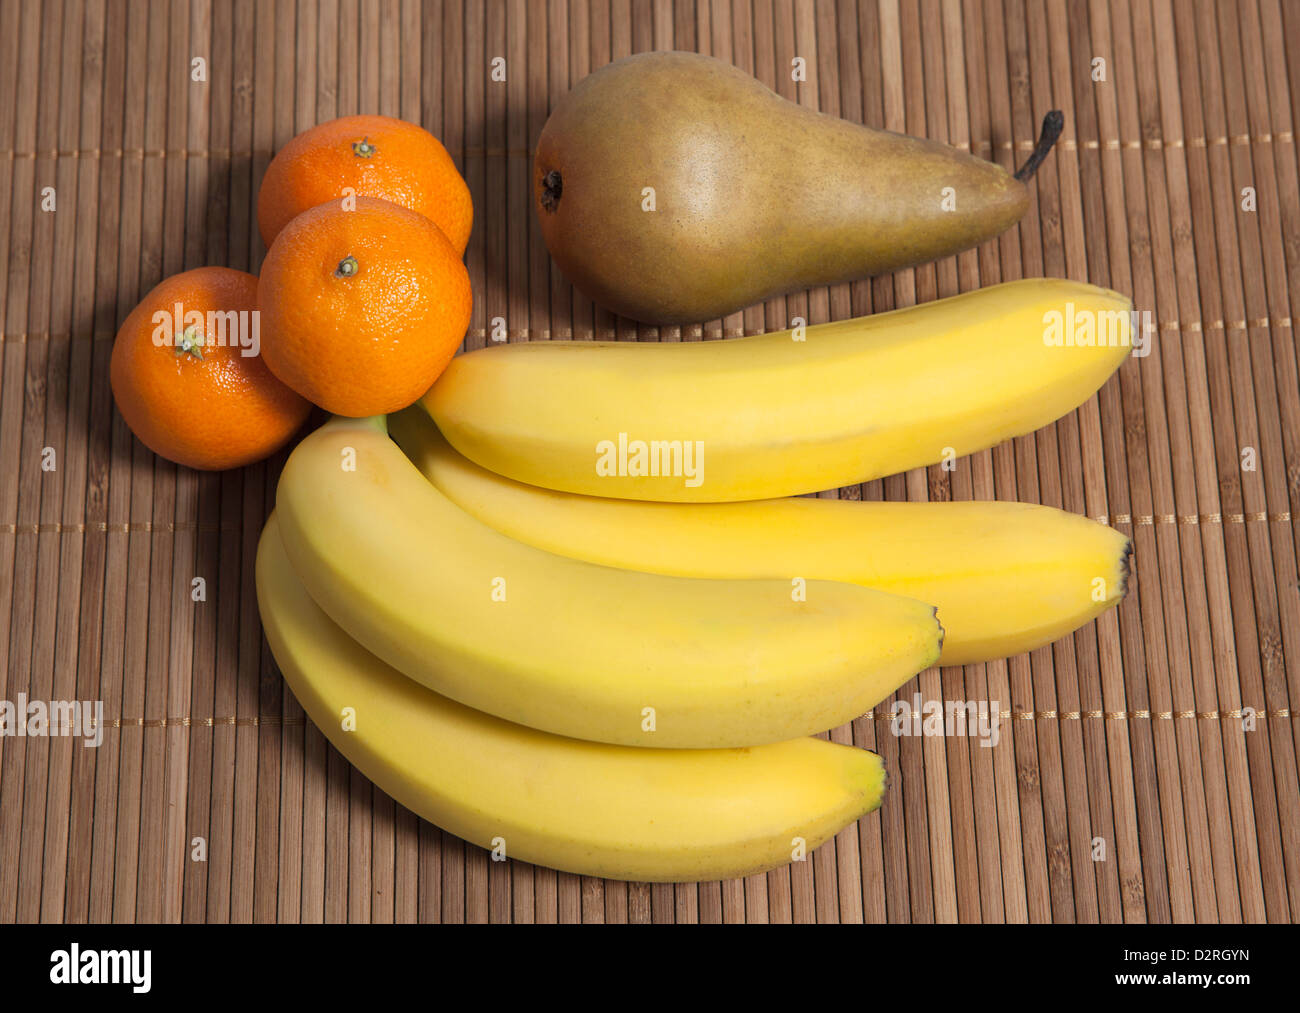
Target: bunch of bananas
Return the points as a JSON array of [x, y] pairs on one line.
[[614, 669]]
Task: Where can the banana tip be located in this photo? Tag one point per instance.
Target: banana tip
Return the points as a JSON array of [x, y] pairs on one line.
[[1125, 567], [884, 780]]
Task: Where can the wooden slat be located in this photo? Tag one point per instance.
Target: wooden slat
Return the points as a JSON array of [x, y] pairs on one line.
[[1125, 786], [29, 281], [1213, 872], [1098, 647], [68, 386], [12, 321]]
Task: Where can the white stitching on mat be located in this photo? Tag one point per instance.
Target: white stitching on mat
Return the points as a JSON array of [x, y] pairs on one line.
[[208, 527], [474, 151], [871, 715], [1068, 144], [21, 336], [79, 527], [611, 334], [250, 722], [1049, 715], [1282, 517]]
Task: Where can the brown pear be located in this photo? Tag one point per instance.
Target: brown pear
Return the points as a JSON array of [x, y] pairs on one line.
[[672, 187]]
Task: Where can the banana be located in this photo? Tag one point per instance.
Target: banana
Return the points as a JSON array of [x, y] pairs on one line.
[[570, 647], [1006, 577], [583, 807], [789, 412]]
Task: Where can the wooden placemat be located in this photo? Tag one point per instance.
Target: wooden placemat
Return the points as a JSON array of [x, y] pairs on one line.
[[1147, 767]]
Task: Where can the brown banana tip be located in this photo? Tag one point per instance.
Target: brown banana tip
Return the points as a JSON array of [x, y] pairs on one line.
[[1125, 567], [934, 612], [1053, 124]]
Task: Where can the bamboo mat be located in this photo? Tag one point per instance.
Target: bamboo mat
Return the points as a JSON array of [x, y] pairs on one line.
[[1126, 786]]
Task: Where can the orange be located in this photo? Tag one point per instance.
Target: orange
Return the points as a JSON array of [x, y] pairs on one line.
[[375, 156], [362, 309], [183, 383]]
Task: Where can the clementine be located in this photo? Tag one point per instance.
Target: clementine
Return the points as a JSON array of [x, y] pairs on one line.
[[188, 378], [362, 309], [374, 156]]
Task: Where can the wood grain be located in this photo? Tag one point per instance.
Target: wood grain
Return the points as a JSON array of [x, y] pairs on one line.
[[1125, 786]]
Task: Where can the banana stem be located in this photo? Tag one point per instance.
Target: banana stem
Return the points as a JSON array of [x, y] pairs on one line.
[[377, 422], [1053, 124]]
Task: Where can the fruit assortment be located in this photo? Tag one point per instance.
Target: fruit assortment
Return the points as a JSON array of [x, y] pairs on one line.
[[564, 599]]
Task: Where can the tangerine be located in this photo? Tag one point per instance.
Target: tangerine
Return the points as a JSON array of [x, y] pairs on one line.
[[362, 309], [374, 156], [188, 379]]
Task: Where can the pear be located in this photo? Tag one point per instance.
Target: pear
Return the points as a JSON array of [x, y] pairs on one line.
[[672, 187]]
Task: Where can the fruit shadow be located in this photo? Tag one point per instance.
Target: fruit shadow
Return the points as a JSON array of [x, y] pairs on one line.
[[176, 547], [517, 286], [349, 800]]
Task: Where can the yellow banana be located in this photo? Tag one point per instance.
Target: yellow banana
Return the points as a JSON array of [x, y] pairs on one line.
[[1006, 577], [570, 647], [789, 412], [584, 807]]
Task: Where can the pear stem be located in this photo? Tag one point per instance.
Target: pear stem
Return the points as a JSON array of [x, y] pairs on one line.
[[1053, 124]]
